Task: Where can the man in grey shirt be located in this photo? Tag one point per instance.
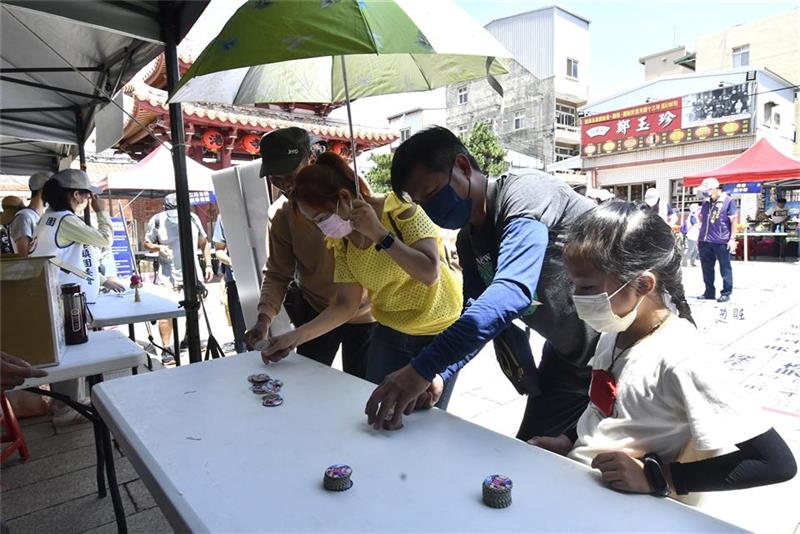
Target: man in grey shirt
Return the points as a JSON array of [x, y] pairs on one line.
[[26, 219]]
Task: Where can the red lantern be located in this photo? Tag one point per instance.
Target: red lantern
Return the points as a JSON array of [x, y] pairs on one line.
[[251, 144], [338, 147], [212, 140]]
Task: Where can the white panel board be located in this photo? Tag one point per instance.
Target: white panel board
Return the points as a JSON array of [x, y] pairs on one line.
[[244, 205]]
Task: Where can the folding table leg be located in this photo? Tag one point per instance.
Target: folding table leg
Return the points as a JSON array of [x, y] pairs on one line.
[[111, 473], [98, 444], [101, 459], [177, 341]]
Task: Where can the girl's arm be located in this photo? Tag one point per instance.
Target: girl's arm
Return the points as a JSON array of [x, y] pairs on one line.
[[420, 260], [764, 459], [345, 304]]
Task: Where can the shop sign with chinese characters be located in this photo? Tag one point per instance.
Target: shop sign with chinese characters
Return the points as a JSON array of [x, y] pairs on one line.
[[722, 112]]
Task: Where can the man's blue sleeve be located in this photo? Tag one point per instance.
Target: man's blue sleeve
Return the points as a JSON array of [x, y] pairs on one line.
[[511, 292], [731, 208]]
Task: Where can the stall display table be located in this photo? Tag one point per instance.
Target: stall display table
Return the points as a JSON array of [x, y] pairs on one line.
[[105, 352], [114, 309], [746, 241], [220, 461]]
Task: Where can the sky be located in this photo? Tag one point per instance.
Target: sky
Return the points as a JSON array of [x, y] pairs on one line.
[[621, 32]]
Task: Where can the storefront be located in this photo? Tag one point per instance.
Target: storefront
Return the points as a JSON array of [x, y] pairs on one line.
[[650, 137]]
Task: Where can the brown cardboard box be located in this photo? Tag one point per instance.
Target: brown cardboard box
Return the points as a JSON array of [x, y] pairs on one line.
[[31, 314]]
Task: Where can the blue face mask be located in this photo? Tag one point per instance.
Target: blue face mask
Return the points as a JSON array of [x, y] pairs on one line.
[[447, 209]]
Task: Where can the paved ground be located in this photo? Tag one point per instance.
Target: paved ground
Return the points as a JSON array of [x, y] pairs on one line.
[[757, 333]]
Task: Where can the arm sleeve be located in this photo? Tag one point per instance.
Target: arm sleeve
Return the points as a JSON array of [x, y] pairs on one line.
[[280, 267], [416, 227], [21, 226], [511, 292], [731, 208], [764, 459], [74, 230], [201, 232], [341, 270], [219, 233], [151, 235]]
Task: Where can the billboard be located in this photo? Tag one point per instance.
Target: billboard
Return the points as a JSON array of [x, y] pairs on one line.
[[721, 112]]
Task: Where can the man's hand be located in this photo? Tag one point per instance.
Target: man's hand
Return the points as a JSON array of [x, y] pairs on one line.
[[621, 472], [365, 221], [209, 274], [428, 398], [113, 285], [281, 346], [396, 393], [559, 444], [732, 246], [14, 371], [258, 332]]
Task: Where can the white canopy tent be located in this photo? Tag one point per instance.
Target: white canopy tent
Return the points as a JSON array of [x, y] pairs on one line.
[[155, 174], [62, 62]]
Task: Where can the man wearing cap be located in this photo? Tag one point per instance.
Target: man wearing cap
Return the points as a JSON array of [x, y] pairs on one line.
[[299, 270], [653, 199], [27, 218], [163, 237], [11, 206], [717, 239]]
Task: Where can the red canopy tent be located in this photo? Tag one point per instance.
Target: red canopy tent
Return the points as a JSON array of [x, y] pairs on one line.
[[759, 163]]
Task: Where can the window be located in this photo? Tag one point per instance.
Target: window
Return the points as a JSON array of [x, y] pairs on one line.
[[566, 115], [519, 120], [768, 113], [463, 129], [565, 152], [572, 68], [405, 133], [776, 119], [741, 56], [462, 94]]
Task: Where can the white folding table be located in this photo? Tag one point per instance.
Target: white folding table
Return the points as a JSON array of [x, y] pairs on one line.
[[105, 352], [219, 461], [113, 309]]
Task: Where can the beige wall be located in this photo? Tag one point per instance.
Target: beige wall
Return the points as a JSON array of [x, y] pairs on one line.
[[662, 65], [774, 43]]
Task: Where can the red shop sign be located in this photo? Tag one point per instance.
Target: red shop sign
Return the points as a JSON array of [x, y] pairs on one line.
[[633, 122]]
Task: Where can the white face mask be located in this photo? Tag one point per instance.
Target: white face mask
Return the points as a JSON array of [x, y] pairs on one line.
[[595, 310]]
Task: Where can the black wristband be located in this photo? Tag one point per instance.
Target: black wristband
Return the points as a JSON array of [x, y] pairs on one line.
[[654, 473]]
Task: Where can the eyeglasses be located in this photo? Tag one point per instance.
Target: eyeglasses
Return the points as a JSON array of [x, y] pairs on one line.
[[281, 181]]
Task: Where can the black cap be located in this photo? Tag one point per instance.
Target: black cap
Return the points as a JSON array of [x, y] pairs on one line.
[[283, 150]]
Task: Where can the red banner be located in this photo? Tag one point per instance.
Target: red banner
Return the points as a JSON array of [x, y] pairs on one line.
[[632, 123]]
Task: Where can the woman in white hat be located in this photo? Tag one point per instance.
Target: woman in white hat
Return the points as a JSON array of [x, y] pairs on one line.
[[62, 233]]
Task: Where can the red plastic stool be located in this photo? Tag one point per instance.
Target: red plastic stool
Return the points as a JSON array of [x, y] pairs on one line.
[[12, 433]]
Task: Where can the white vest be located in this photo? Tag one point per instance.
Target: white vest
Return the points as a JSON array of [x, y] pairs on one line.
[[80, 255]]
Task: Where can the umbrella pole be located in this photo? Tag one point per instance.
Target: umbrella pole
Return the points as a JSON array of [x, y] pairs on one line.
[[350, 124]]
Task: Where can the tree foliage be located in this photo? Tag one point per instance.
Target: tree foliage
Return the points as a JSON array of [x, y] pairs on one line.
[[484, 145], [379, 176]]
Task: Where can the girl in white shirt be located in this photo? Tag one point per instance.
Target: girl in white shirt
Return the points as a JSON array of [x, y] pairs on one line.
[[657, 418]]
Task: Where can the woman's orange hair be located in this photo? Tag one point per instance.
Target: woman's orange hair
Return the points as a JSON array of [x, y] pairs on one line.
[[319, 185]]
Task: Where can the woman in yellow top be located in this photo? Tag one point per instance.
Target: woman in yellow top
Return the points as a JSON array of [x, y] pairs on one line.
[[391, 249]]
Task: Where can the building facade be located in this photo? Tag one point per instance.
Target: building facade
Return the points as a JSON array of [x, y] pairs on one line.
[[536, 119], [411, 121], [772, 43], [655, 134]]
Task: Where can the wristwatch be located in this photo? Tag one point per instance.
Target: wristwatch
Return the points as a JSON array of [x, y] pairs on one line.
[[385, 243], [654, 472]]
